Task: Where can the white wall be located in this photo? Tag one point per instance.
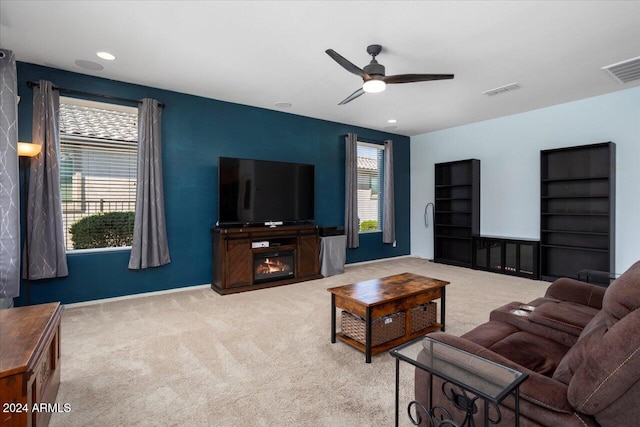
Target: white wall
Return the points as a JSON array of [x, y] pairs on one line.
[[509, 153]]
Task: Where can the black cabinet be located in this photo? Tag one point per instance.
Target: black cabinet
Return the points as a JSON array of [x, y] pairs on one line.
[[577, 210], [516, 257], [457, 211]]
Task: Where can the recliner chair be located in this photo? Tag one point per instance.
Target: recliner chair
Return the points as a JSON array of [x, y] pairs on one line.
[[580, 345]]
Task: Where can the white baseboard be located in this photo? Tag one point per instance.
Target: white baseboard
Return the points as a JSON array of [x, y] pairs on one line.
[[421, 257], [192, 288], [379, 260], [141, 295]]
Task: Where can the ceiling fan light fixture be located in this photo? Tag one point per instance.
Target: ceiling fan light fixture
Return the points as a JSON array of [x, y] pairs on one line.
[[373, 75], [374, 86]]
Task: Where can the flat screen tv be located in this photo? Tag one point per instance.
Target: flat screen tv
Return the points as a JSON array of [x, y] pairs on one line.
[[262, 192]]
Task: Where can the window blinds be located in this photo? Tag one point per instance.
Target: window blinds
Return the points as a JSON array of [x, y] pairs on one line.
[[98, 161]]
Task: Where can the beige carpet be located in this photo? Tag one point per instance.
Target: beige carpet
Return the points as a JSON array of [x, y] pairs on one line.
[[260, 358]]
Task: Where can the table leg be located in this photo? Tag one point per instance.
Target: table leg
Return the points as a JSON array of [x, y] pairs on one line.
[[367, 345], [397, 389], [517, 406], [486, 409], [443, 306], [333, 319]]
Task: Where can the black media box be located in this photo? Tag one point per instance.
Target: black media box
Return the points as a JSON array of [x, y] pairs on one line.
[[331, 231]]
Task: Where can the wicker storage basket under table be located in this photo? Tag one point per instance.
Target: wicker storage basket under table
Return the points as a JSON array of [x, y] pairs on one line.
[[423, 316], [383, 329]]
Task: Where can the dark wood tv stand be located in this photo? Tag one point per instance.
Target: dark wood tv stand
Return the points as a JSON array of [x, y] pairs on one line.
[[234, 256]]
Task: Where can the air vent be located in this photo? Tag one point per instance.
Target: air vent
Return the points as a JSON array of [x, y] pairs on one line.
[[625, 71], [502, 89]]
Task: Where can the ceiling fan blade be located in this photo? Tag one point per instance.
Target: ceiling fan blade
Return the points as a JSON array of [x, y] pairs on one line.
[[351, 97], [346, 64], [410, 78]]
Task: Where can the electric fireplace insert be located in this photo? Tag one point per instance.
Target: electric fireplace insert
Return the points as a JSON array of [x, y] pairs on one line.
[[268, 266]]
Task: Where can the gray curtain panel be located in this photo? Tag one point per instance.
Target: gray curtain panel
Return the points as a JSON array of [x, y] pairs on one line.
[[150, 245], [388, 204], [45, 233], [351, 222], [9, 180]]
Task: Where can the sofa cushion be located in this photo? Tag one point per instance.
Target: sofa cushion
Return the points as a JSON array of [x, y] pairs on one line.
[[564, 316], [610, 368], [538, 389], [531, 351], [574, 358], [604, 365], [571, 290], [517, 314], [623, 295], [534, 352], [490, 333]]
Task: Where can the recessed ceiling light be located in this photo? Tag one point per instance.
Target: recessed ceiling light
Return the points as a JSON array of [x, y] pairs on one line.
[[281, 104], [106, 55], [392, 121]]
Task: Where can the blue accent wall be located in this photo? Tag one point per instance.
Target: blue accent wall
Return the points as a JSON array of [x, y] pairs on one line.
[[196, 131]]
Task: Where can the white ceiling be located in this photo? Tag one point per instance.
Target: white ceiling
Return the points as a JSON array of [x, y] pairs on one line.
[[261, 52]]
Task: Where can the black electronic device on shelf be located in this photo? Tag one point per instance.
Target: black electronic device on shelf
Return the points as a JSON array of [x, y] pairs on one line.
[[331, 231]]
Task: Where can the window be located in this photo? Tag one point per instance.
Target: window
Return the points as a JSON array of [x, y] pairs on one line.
[[98, 162], [370, 162]]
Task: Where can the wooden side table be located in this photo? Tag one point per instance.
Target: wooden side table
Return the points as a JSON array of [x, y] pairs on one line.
[[29, 363], [376, 298]]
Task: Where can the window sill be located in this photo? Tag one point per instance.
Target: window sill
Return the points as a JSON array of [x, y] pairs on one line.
[[98, 250], [370, 232]]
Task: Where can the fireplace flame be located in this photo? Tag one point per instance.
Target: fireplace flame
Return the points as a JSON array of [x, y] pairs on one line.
[[269, 266]]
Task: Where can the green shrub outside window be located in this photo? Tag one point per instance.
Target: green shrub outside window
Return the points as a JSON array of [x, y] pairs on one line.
[[369, 225], [103, 230]]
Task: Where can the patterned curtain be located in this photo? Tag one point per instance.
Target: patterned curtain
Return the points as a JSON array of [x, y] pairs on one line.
[[150, 246], [388, 204], [351, 221], [9, 177], [45, 252]]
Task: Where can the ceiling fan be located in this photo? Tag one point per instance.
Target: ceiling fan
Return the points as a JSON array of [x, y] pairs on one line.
[[373, 77]]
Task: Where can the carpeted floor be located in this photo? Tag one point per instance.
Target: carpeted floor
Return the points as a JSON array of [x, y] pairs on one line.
[[260, 358]]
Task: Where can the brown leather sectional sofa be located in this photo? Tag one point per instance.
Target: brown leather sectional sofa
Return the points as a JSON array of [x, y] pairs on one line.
[[580, 345]]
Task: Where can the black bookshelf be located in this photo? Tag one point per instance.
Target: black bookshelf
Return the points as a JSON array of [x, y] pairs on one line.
[[577, 210], [457, 211]]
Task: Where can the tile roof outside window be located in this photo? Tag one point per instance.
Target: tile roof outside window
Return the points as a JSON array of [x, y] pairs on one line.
[[97, 123], [367, 163]]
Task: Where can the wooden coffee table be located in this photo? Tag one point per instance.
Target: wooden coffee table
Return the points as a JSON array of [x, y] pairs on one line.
[[376, 298]]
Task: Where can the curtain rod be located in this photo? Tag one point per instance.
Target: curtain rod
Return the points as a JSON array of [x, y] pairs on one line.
[[369, 140], [95, 95]]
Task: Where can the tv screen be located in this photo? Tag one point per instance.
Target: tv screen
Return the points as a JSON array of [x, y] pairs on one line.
[[260, 191]]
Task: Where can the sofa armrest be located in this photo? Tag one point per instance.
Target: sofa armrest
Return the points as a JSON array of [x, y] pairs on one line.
[[609, 368], [571, 290], [537, 389]]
